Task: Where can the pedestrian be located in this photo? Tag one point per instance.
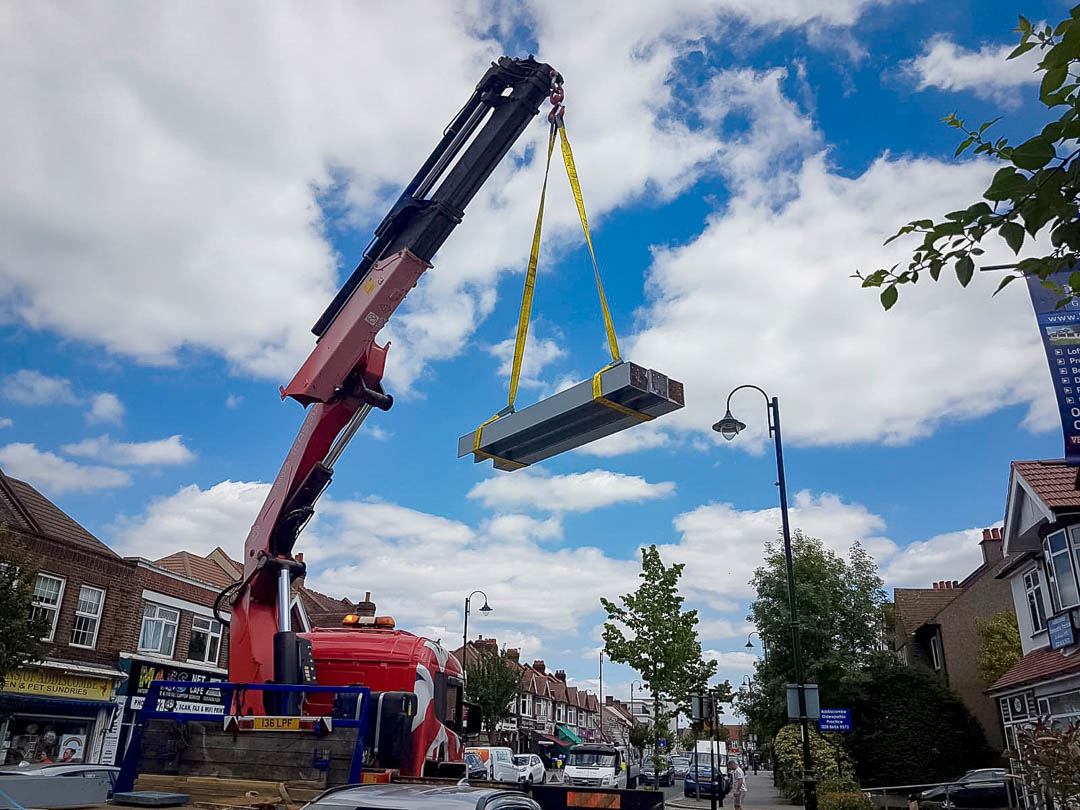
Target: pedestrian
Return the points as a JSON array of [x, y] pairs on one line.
[[738, 782]]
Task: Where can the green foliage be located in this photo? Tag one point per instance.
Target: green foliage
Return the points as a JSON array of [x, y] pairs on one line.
[[20, 633], [830, 762], [1000, 645], [1051, 757], [492, 683], [641, 736], [908, 726], [840, 615], [847, 800], [1037, 190], [650, 632]]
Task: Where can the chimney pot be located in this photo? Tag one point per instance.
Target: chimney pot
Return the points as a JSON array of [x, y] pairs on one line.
[[539, 667], [996, 533], [986, 534], [956, 583], [937, 586]]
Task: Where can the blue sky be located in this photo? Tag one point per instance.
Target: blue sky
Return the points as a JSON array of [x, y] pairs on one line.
[[180, 208]]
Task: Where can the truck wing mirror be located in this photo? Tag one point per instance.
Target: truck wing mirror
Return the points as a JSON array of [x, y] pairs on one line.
[[474, 718]]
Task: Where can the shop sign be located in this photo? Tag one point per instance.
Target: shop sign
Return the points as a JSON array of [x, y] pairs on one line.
[[56, 684], [194, 698], [1061, 631]]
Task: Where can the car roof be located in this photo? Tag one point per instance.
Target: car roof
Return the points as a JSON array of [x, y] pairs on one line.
[[402, 796]]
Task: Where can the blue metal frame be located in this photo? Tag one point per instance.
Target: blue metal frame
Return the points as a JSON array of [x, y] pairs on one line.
[[129, 771]]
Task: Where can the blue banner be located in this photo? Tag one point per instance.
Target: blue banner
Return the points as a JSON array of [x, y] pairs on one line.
[[1061, 631], [1060, 330], [835, 720]]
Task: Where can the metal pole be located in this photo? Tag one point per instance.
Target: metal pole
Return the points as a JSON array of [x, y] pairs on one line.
[[283, 601], [602, 696], [809, 783], [465, 636], [716, 778]]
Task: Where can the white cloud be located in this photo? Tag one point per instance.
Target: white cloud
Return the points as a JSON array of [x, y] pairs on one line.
[[241, 262], [539, 352], [953, 555], [844, 370], [54, 475], [518, 527], [641, 437], [30, 387], [947, 66], [194, 520], [577, 492], [717, 629], [732, 665], [233, 401], [105, 408], [159, 452], [5, 422]]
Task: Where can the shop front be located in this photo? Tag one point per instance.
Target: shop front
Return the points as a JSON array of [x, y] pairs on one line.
[[200, 697], [56, 713]]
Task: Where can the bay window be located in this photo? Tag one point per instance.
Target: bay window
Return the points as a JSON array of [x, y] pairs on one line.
[[1061, 568], [1036, 606]]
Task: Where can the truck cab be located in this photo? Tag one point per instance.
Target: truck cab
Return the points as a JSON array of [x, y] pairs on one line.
[[596, 765]]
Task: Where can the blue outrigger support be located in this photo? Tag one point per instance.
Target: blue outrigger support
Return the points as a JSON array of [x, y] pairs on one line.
[[129, 771]]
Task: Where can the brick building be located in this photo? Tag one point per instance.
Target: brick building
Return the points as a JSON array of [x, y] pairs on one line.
[[935, 628]]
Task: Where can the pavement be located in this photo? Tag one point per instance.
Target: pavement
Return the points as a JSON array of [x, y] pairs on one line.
[[761, 795]]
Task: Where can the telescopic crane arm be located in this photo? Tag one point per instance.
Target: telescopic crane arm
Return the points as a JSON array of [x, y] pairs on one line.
[[342, 378]]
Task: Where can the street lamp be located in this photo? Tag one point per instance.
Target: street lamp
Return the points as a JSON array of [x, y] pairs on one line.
[[639, 683], [764, 648], [465, 633], [729, 427]]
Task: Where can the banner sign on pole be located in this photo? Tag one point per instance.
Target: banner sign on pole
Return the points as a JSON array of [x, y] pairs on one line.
[[1060, 331]]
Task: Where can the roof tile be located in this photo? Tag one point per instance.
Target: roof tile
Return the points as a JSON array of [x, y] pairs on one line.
[[1035, 666], [49, 518], [917, 606], [1052, 481]]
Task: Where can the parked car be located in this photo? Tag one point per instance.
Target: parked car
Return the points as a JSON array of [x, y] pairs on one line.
[[653, 775], [985, 787], [59, 785], [681, 766], [701, 776], [476, 767], [530, 769], [421, 797], [498, 760]]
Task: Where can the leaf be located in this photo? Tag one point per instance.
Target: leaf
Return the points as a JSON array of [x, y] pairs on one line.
[[1074, 280], [964, 145], [988, 124], [888, 297], [979, 209], [1024, 25], [1053, 130], [1004, 282], [1052, 80], [1033, 154], [1006, 185], [965, 269], [1013, 235], [1020, 49]]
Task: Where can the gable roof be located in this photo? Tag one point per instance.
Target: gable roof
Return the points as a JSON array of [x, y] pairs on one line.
[[35, 513], [1037, 665], [917, 606], [1052, 482], [198, 568]]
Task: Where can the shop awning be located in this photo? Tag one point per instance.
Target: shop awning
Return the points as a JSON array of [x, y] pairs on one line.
[[547, 739], [569, 735]]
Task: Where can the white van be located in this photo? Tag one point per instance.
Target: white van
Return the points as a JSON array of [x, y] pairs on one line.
[[596, 765], [499, 762]]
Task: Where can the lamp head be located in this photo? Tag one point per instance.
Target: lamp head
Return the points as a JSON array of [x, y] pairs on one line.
[[749, 644], [729, 427], [486, 608]]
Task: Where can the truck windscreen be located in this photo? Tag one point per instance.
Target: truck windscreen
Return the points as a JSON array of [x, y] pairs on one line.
[[591, 759]]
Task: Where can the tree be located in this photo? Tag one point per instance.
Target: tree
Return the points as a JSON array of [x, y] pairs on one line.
[[1037, 187], [841, 621], [21, 632], [1000, 645], [908, 726], [493, 684], [1051, 757], [831, 764], [650, 632]]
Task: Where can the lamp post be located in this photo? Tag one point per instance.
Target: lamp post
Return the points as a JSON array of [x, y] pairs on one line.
[[465, 633], [729, 427], [761, 638], [639, 683]]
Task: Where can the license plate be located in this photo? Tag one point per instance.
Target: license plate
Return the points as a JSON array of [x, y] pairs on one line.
[[276, 724]]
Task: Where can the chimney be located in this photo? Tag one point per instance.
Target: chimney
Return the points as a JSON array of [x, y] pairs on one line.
[[609, 700], [513, 654], [539, 667], [365, 608], [937, 586], [560, 674], [991, 545]]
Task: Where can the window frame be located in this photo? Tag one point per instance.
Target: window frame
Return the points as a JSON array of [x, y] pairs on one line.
[[937, 652], [1037, 610], [175, 625], [81, 614], [1069, 552], [211, 635], [54, 608]]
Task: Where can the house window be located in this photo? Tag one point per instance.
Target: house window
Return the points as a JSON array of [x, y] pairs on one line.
[[48, 593], [1033, 587], [539, 708], [570, 717], [1060, 564], [937, 655], [526, 705], [158, 629], [205, 640], [87, 616], [560, 713]]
